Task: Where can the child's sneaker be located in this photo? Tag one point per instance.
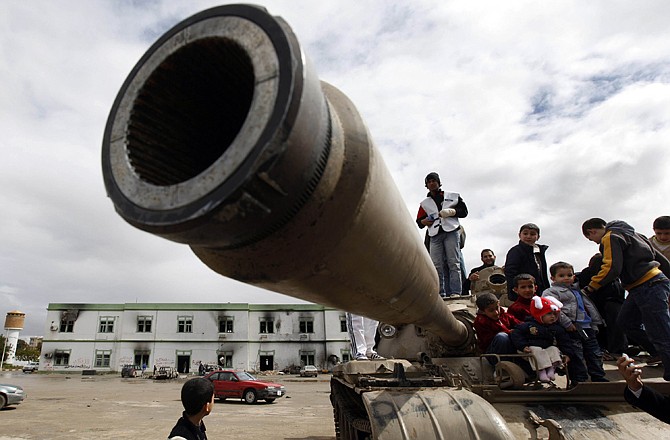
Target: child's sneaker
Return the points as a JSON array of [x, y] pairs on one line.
[[375, 357], [542, 375], [551, 373], [361, 357]]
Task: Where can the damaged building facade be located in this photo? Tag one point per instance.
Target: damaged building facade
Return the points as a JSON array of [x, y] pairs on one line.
[[255, 337]]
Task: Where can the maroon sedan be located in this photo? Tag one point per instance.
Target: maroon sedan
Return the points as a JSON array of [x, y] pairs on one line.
[[242, 385]]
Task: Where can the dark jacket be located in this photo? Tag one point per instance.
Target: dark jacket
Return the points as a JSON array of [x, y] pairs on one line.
[[612, 292], [629, 256], [520, 259], [185, 429], [650, 401], [532, 333]]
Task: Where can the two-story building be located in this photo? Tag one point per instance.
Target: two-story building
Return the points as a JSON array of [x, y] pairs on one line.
[[255, 337]]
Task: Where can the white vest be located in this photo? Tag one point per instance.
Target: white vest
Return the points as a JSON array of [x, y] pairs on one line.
[[447, 224]]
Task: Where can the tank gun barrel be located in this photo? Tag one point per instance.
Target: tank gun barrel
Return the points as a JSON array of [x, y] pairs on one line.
[[223, 138]]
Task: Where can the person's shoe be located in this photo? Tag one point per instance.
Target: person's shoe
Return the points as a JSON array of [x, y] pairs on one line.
[[542, 375], [654, 361], [607, 356], [375, 357], [361, 357], [551, 373], [455, 295]]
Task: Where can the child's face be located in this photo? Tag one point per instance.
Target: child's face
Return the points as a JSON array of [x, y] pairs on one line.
[[493, 311], [525, 288], [550, 317], [662, 235], [529, 236], [564, 276]]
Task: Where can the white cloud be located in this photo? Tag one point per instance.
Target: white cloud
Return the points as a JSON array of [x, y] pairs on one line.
[[551, 112]]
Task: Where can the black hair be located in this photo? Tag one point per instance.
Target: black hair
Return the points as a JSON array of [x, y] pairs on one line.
[[596, 261], [522, 276], [553, 269], [195, 394], [663, 222], [486, 299], [531, 226], [481, 254], [593, 223]]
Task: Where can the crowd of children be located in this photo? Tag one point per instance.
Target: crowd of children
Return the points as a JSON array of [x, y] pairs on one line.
[[576, 317]]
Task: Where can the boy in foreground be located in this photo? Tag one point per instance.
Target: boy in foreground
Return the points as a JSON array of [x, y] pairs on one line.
[[197, 397]]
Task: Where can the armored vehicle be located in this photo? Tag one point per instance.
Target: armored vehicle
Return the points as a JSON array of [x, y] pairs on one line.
[[223, 138]]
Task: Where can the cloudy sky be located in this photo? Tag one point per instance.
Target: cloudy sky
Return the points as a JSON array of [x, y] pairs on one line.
[[545, 112]]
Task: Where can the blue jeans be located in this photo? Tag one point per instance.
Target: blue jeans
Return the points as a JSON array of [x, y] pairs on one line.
[[501, 344], [647, 305], [589, 360], [445, 248]]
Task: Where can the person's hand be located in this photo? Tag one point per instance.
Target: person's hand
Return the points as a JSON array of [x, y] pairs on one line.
[[630, 372], [474, 276], [526, 349], [427, 222], [571, 328], [566, 359], [448, 212]]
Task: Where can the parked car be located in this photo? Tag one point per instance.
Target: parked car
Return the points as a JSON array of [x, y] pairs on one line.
[[166, 373], [242, 385], [31, 367], [309, 370], [131, 371], [11, 395]]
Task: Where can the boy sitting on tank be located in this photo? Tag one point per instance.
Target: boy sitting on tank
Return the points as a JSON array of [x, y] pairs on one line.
[[493, 325], [525, 288], [543, 337], [580, 317]]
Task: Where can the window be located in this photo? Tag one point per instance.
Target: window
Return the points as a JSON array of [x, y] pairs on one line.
[[267, 325], [141, 357], [106, 324], [226, 359], [346, 355], [62, 357], [306, 358], [343, 324], [225, 324], [102, 358], [185, 324], [306, 325], [144, 324], [67, 326]]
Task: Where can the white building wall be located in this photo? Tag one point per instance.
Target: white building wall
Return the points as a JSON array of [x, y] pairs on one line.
[[164, 344]]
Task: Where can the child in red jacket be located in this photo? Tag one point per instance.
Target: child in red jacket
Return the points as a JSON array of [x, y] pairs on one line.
[[525, 288], [493, 325]]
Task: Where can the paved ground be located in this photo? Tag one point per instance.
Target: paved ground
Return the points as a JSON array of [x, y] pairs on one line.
[[74, 407]]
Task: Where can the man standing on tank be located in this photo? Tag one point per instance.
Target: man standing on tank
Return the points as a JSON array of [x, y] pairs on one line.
[[440, 212]]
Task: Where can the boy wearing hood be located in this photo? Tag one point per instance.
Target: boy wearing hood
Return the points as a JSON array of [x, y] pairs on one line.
[[644, 273]]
